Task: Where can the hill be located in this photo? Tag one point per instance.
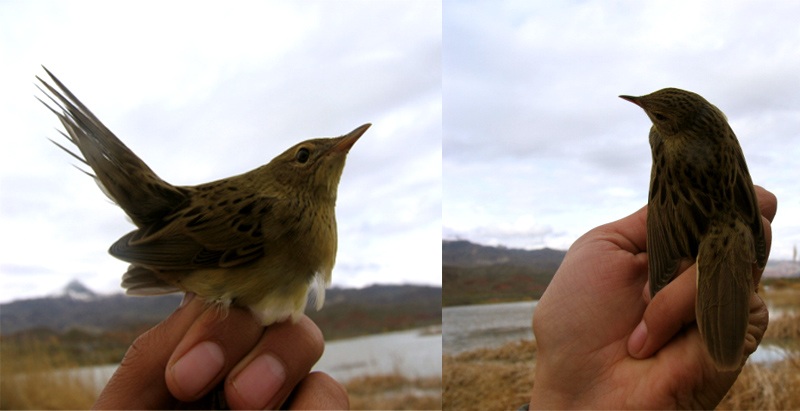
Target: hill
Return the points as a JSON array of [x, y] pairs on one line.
[[347, 312], [474, 273]]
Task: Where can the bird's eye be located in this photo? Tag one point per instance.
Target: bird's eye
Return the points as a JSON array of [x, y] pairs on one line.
[[302, 155], [660, 117]]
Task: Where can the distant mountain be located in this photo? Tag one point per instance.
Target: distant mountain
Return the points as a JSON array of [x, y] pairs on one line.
[[474, 273], [347, 312], [462, 253], [77, 291], [89, 311], [782, 269]]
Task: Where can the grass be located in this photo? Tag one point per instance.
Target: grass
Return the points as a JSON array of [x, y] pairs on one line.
[[773, 386], [489, 379], [37, 376], [395, 392], [35, 380], [502, 378]]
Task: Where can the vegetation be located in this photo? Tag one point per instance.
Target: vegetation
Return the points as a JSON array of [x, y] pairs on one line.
[[43, 378], [477, 274], [35, 378], [351, 313], [501, 378], [395, 392], [492, 284], [38, 364]]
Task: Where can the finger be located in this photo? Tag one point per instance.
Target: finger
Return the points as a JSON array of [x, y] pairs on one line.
[[668, 312], [768, 205], [672, 309], [319, 391], [767, 202], [280, 360], [138, 382], [765, 223], [683, 266], [210, 348], [757, 324], [628, 233]]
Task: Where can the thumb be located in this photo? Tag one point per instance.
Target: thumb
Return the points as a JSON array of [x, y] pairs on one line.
[[139, 381], [666, 314]]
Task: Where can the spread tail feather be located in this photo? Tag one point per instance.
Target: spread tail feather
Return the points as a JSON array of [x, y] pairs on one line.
[[123, 176]]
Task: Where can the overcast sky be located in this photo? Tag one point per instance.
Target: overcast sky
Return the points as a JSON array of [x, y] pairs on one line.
[[521, 95], [538, 148], [205, 90]]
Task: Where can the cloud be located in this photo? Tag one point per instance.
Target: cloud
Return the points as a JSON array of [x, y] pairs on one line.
[[533, 126], [208, 91]]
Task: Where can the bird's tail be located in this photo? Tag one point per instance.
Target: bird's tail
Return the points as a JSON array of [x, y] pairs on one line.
[[122, 176], [724, 286]]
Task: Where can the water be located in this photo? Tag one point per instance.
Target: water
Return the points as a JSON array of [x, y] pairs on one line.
[[468, 327], [767, 353], [413, 353]]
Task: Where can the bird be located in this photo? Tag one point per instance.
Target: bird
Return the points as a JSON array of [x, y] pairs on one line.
[[265, 239], [702, 206]]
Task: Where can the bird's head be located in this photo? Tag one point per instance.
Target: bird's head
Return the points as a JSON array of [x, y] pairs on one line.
[[674, 110], [314, 167]]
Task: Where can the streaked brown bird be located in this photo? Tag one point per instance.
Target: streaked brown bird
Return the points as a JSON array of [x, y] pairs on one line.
[[260, 239], [702, 206]]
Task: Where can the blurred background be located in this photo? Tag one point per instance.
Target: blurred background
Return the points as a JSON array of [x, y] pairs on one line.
[[205, 90], [538, 149]]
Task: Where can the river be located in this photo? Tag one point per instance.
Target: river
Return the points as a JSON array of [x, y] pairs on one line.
[[469, 327], [414, 353]]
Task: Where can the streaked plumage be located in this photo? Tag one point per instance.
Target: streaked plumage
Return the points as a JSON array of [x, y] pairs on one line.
[[258, 239], [702, 206]]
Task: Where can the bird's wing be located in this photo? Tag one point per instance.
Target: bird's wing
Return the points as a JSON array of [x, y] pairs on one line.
[[123, 176], [203, 235], [662, 254], [744, 195], [676, 217]]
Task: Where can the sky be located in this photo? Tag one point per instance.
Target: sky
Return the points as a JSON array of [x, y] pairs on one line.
[[206, 90], [493, 121], [537, 146]]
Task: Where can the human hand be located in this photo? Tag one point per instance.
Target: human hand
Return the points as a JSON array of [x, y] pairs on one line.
[[180, 362], [597, 330]]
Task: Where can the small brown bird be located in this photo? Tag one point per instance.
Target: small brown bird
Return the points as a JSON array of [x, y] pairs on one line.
[[702, 206], [259, 239]]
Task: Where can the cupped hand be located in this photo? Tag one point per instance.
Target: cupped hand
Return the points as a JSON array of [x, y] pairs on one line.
[[602, 343], [199, 356]]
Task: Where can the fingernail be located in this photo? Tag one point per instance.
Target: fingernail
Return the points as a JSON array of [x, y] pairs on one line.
[[260, 381], [197, 368], [637, 339], [186, 299]]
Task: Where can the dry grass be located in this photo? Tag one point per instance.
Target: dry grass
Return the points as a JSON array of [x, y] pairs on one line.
[[502, 378], [489, 379], [37, 379], [773, 386], [785, 328], [395, 392]]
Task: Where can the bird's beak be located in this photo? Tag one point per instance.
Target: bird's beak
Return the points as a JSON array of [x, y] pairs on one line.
[[349, 139], [632, 99]]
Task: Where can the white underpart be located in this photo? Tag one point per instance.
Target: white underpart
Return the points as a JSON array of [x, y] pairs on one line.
[[272, 309]]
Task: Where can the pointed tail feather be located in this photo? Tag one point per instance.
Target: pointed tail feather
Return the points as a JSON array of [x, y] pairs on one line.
[[724, 285], [123, 176]]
